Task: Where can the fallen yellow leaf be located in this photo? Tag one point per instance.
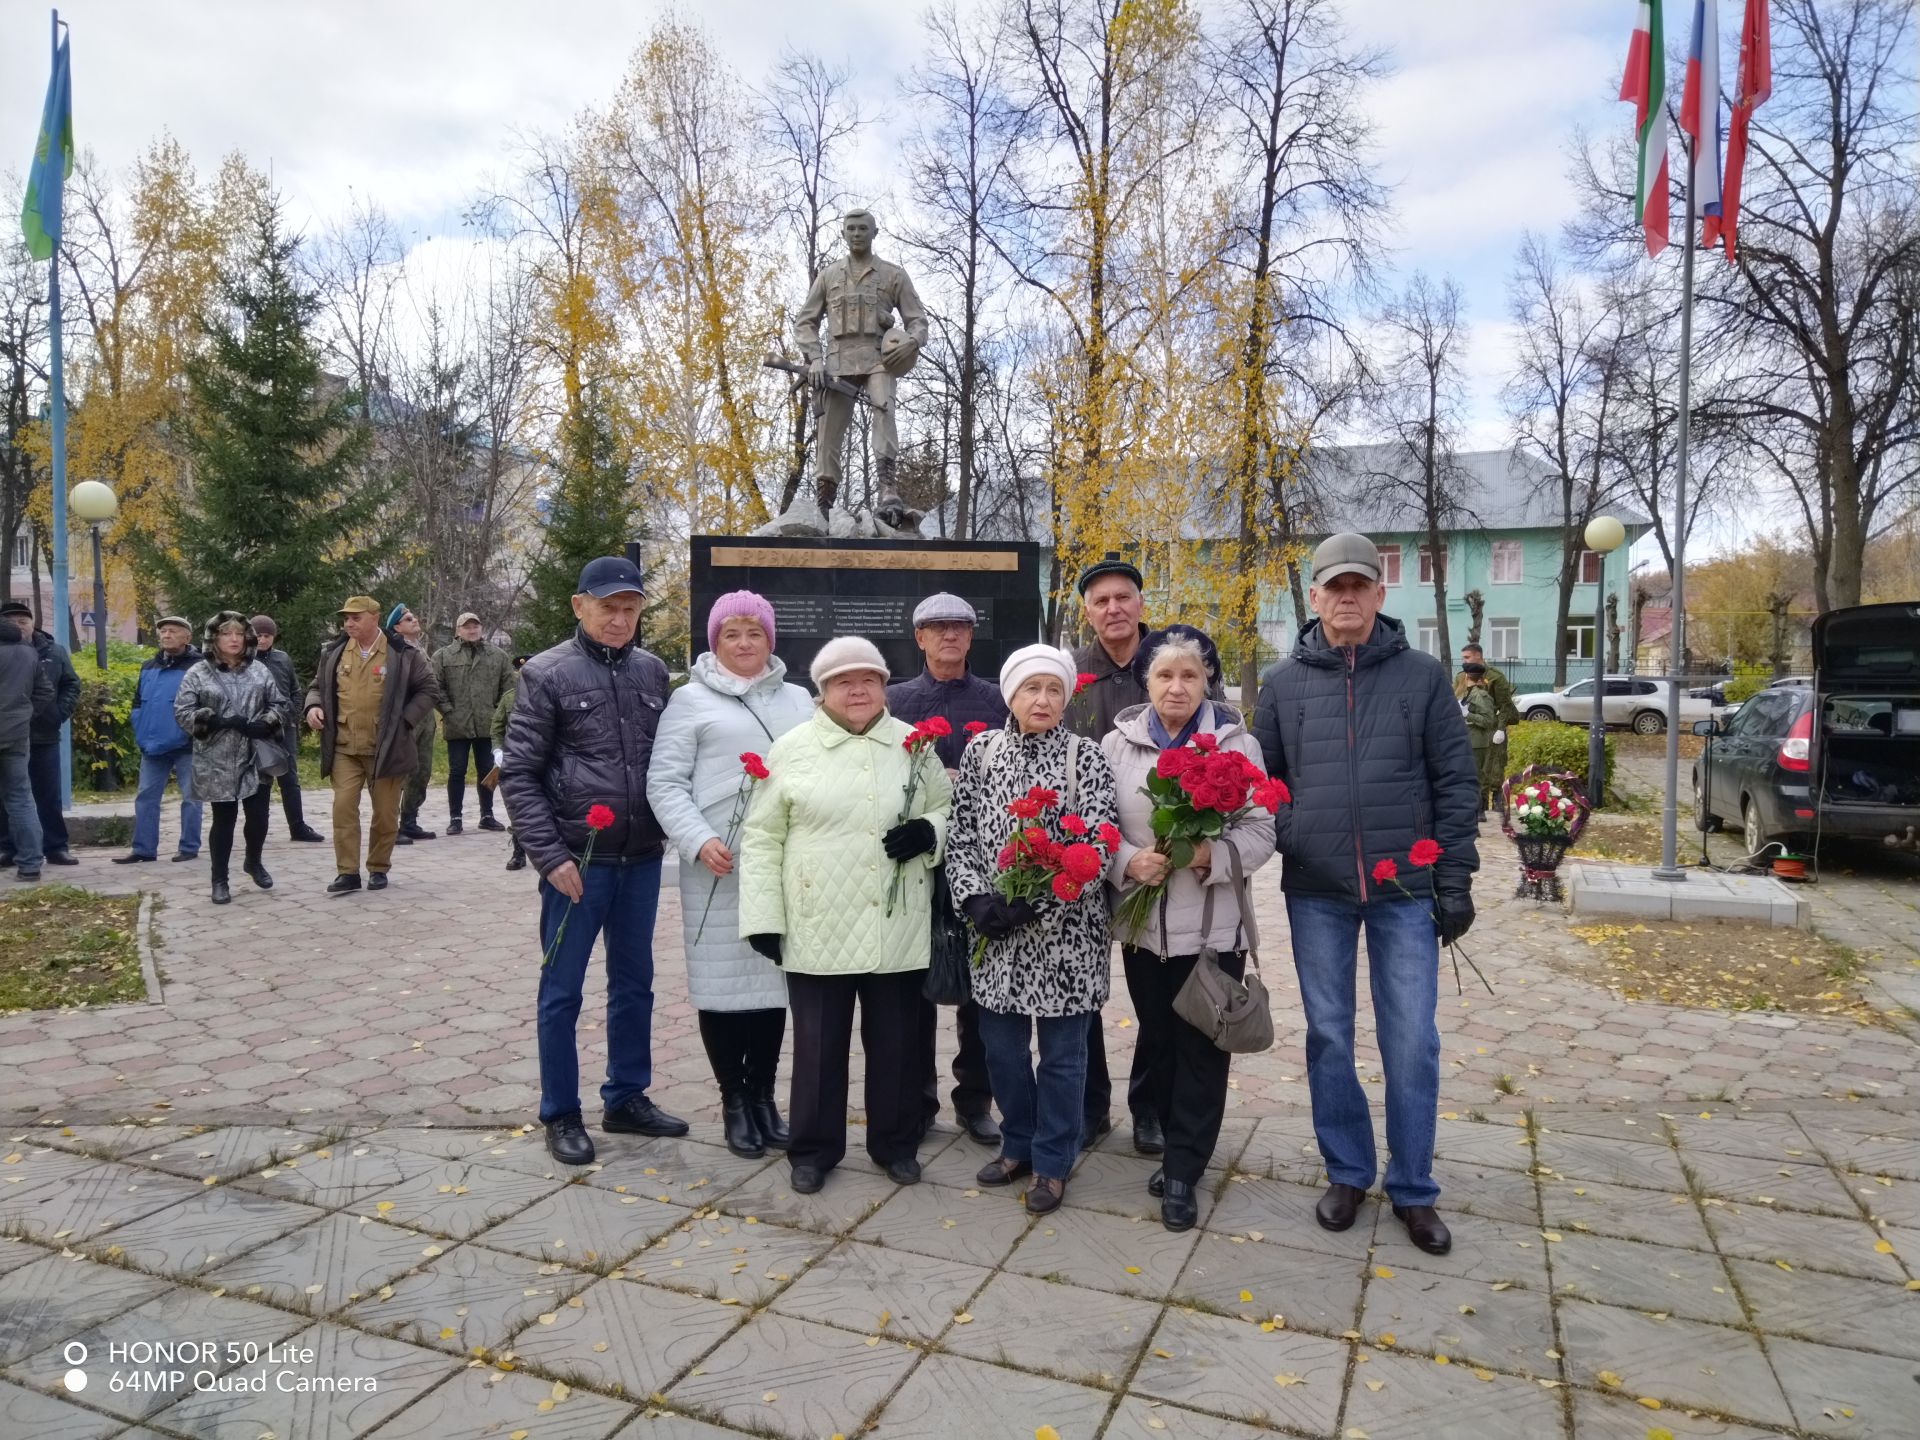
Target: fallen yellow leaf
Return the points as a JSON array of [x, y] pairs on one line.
[[1246, 1297], [1045, 1432], [1164, 1354], [963, 1318], [769, 1397], [1285, 1380], [1386, 1337], [1649, 1402], [1133, 1269], [1376, 1386], [1607, 1377], [1883, 1247], [446, 1332], [1480, 1374], [1381, 1272]]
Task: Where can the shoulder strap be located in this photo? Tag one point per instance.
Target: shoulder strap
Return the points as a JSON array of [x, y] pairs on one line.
[[756, 717], [1245, 924]]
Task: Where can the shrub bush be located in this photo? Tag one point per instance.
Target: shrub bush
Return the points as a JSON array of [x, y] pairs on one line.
[[103, 748], [1554, 745], [1747, 680]]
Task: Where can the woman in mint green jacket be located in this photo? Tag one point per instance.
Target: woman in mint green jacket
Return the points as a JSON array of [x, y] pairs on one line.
[[819, 851]]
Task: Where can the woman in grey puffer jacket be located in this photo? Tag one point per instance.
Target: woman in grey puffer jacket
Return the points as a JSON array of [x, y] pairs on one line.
[[226, 702]]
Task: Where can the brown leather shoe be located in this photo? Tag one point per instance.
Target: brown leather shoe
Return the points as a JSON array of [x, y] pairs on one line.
[[1425, 1228], [1003, 1171], [1338, 1206], [1045, 1195]]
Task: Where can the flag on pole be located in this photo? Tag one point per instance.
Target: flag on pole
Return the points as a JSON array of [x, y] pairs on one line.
[[1700, 108], [52, 163], [1645, 85], [1756, 84]]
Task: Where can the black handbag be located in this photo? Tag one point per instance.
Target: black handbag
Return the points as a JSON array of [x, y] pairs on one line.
[[949, 974]]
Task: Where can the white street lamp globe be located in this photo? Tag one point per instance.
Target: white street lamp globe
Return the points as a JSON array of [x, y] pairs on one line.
[[94, 502], [1605, 534]]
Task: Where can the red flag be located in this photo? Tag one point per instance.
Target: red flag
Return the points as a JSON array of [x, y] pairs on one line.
[[1756, 84]]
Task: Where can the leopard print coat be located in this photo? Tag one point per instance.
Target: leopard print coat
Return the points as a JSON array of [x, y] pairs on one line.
[[1062, 963]]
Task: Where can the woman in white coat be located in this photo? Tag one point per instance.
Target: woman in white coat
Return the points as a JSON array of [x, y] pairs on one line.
[[736, 701]]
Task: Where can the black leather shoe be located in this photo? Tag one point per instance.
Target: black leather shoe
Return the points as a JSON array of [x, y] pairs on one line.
[[1148, 1138], [376, 880], [221, 894], [257, 873], [743, 1137], [307, 835], [487, 822], [806, 1180], [517, 860], [1002, 1171], [640, 1116], [568, 1141], [766, 1118], [1092, 1135], [1043, 1197], [414, 831], [180, 856], [454, 827], [1338, 1206], [344, 884], [1178, 1208], [904, 1172], [134, 859], [1157, 1184], [25, 875], [982, 1129], [1425, 1228], [55, 857]]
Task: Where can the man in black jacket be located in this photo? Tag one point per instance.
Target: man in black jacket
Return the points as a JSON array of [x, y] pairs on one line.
[[579, 740], [24, 690], [43, 759], [266, 634], [1367, 735]]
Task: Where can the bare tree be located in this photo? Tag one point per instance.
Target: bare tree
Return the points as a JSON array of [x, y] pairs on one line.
[[355, 269]]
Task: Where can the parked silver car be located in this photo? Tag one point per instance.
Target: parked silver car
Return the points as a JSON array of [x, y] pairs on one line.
[[1629, 700]]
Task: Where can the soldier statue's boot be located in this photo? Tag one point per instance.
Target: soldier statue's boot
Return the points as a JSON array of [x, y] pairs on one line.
[[890, 509], [826, 490]]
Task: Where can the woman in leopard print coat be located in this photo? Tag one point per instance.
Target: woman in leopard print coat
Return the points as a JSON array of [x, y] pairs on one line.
[[1047, 962]]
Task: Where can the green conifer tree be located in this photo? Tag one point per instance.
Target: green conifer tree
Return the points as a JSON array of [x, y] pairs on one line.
[[591, 512]]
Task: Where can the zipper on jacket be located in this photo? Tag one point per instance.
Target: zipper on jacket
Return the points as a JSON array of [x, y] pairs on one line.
[[1353, 779]]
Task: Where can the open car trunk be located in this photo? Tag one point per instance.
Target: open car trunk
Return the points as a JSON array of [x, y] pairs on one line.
[[1866, 663]]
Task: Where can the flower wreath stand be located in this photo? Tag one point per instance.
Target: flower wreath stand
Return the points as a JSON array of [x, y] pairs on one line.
[[1543, 812]]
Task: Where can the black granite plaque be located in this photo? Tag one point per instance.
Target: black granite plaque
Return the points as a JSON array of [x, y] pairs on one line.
[[822, 588]]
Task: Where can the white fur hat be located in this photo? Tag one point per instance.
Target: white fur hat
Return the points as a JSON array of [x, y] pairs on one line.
[[1036, 660], [844, 653]]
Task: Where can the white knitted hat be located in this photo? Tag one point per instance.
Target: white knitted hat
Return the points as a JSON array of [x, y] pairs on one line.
[[1036, 660], [844, 653]]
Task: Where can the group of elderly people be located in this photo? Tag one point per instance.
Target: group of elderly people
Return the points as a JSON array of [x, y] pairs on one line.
[[813, 888]]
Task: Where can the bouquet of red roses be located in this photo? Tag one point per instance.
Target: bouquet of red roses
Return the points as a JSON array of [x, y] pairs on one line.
[[1032, 863], [1197, 790], [916, 745]]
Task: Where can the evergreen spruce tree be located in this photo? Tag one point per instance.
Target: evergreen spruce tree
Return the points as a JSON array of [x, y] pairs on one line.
[[281, 514], [590, 513]]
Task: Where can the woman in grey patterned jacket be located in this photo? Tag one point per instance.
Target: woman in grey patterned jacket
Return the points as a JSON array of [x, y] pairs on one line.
[[226, 702], [1046, 963]]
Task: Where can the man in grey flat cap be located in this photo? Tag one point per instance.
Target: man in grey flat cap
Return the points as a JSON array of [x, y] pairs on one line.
[[943, 629]]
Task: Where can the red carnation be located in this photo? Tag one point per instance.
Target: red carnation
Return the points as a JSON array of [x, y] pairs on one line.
[[1109, 834], [1073, 825], [1066, 887], [1005, 858], [1082, 680], [1172, 763], [974, 727], [1385, 871], [599, 817], [1206, 744], [753, 765], [936, 726], [1046, 798], [1271, 794], [1424, 852], [1082, 862]]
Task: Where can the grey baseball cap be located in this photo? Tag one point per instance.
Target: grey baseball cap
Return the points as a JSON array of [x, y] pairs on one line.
[[943, 606], [1346, 554]]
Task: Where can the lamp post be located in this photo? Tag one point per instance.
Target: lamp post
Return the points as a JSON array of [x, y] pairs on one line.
[[1604, 535], [96, 504]]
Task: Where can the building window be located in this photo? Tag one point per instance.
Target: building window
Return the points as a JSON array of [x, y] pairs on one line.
[[23, 549], [1426, 635], [1580, 639], [1389, 564], [1426, 564], [1503, 567], [1590, 565], [1503, 640]]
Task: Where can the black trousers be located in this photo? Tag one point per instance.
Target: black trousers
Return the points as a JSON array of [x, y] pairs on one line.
[[822, 1007], [458, 749], [1186, 1073], [743, 1046], [1100, 1082], [972, 1089], [291, 804], [253, 828]]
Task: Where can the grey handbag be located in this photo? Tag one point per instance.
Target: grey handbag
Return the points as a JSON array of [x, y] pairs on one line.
[[271, 758], [1232, 1013]]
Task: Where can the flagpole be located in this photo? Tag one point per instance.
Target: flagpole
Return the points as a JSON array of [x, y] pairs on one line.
[[63, 629], [1669, 868]]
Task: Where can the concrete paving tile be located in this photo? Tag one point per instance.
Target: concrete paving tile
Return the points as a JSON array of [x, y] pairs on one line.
[[1309, 1290], [53, 1299], [949, 1395], [856, 1284], [1846, 1393], [1054, 1329], [1462, 1319], [337, 1175], [1482, 1190], [1283, 1148], [625, 1338], [110, 1142], [1877, 1151], [490, 1404], [1675, 1361], [458, 1198], [956, 1165], [25, 1412], [1104, 1252], [1278, 1378], [1887, 1201], [947, 1224], [848, 1197], [1483, 1145], [229, 1151], [1790, 1185], [1283, 1212], [1648, 1165], [1486, 1250], [527, 1154], [658, 1423], [1610, 1123], [1831, 1309], [325, 1265], [91, 1202], [15, 1252], [578, 1225], [1771, 1137], [792, 1378], [688, 1173], [442, 1142], [1813, 1242], [1657, 1278], [1117, 1185], [27, 1164], [1422, 1400], [1621, 1211], [1604, 1417], [202, 1231], [1140, 1419], [400, 1373], [482, 1296], [724, 1258]]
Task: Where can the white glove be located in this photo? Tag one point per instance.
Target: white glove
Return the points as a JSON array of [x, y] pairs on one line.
[[1499, 737]]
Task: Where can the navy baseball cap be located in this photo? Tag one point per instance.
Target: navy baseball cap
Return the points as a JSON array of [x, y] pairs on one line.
[[610, 575]]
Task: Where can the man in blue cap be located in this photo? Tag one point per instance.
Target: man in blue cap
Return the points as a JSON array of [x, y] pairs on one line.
[[578, 744]]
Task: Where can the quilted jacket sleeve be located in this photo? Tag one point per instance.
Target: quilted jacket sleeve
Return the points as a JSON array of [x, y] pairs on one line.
[[531, 727], [1454, 782], [1272, 755], [763, 852], [933, 802], [670, 775]]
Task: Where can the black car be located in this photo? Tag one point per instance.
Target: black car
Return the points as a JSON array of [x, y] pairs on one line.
[[1856, 774]]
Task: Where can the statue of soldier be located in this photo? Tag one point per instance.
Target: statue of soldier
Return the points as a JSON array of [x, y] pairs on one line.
[[858, 297]]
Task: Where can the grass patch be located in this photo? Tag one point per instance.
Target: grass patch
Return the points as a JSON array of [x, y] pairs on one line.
[[61, 947], [1720, 965], [1631, 839]]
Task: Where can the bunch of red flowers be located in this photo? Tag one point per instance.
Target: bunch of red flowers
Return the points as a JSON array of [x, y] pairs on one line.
[[1032, 863], [919, 740]]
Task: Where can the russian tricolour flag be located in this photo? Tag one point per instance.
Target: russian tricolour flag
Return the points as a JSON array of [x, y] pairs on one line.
[[1700, 108]]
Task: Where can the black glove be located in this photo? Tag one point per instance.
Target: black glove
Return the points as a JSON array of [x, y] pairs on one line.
[[203, 723], [1453, 913], [262, 727], [996, 918], [908, 839], [767, 945]]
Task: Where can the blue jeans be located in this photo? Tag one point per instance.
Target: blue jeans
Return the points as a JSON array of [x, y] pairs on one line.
[[23, 821], [154, 773], [620, 901], [1039, 1108], [1403, 972]]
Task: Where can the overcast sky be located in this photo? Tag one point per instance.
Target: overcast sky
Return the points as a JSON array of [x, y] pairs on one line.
[[414, 104]]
